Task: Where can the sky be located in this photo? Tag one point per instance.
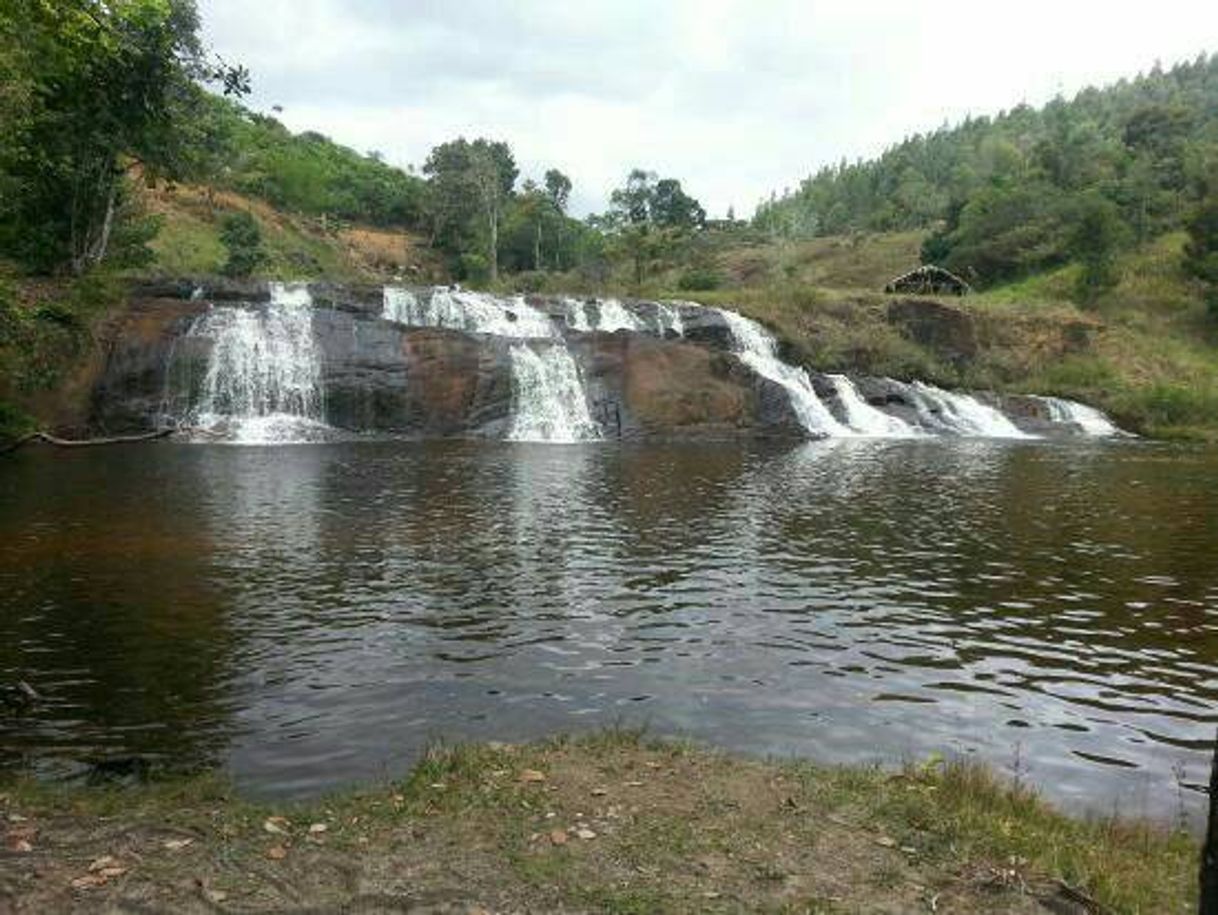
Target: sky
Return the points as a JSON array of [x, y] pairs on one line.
[[736, 98]]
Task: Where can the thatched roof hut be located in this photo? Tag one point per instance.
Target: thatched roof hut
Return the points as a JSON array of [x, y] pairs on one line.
[[928, 280]]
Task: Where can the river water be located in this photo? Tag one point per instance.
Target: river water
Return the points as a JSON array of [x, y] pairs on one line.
[[314, 615]]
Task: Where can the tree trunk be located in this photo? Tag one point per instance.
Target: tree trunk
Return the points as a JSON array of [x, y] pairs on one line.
[[493, 252], [537, 248], [1209, 855]]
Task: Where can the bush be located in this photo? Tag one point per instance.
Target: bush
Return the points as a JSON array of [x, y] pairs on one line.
[[473, 268], [699, 280], [242, 239]]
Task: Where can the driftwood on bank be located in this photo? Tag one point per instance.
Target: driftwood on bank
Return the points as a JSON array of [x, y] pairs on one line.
[[58, 442]]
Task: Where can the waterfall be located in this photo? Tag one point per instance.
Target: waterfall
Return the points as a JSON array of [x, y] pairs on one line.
[[614, 316], [959, 414], [864, 419], [473, 312], [263, 378], [577, 315], [668, 320], [548, 399], [757, 349], [1088, 419]]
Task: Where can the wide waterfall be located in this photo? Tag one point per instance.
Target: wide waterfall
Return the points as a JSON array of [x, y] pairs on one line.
[[757, 349], [263, 378], [262, 381], [548, 399]]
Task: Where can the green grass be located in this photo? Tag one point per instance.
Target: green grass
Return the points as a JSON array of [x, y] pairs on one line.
[[679, 829]]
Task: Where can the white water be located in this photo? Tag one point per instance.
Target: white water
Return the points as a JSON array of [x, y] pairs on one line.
[[960, 414], [668, 317], [548, 399], [263, 380], [473, 312], [757, 349], [864, 419], [614, 316], [1090, 420], [577, 315]]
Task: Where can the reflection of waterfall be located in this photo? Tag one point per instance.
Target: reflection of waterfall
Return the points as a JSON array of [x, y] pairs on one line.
[[548, 399], [862, 417], [1090, 420], [263, 379], [959, 414], [757, 349]]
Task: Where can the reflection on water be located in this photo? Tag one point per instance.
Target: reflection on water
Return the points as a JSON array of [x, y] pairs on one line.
[[313, 615]]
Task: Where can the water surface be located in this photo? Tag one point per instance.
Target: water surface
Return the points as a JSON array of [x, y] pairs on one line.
[[309, 616]]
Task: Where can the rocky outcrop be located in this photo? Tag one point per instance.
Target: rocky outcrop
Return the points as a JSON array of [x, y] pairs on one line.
[[386, 377]]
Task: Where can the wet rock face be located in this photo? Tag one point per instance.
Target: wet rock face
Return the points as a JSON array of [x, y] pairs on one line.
[[382, 376]]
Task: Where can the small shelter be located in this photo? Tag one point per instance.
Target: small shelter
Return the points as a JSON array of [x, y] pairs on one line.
[[928, 280]]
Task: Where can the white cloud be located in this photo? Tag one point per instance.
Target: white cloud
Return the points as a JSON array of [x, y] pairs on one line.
[[734, 98]]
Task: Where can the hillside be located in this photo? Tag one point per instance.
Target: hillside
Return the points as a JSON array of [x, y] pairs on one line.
[[297, 246]]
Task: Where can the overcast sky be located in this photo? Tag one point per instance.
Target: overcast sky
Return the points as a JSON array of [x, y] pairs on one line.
[[734, 97]]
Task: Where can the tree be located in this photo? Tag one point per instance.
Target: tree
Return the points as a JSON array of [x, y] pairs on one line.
[[469, 186], [1201, 249], [558, 187], [109, 85], [242, 238], [648, 215], [1096, 238]]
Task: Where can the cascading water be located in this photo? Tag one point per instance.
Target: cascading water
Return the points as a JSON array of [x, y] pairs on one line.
[[549, 403], [864, 419], [1088, 419], [959, 414], [548, 399], [668, 320], [757, 349], [262, 382], [473, 312], [614, 316], [263, 378]]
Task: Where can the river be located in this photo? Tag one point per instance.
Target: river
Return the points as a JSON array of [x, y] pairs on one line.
[[309, 616]]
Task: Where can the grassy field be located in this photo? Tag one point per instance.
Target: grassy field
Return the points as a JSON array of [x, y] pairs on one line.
[[606, 823]]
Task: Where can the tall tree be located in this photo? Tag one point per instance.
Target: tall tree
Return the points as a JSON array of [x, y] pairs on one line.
[[109, 85], [558, 188], [469, 186]]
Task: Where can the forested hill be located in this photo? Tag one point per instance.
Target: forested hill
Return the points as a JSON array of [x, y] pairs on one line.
[[1031, 188]]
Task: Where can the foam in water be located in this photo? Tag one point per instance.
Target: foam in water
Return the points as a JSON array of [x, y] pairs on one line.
[[960, 414], [548, 399], [263, 379], [473, 312], [1090, 420], [757, 349], [864, 419]]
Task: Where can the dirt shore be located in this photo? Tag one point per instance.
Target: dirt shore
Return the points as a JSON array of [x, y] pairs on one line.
[[611, 823]]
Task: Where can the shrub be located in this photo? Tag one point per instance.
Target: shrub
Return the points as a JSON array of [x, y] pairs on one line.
[[242, 239], [699, 280]]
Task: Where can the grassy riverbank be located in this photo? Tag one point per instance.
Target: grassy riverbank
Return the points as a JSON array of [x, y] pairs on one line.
[[609, 823]]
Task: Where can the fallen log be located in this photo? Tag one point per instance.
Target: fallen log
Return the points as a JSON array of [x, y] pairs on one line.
[[58, 442]]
